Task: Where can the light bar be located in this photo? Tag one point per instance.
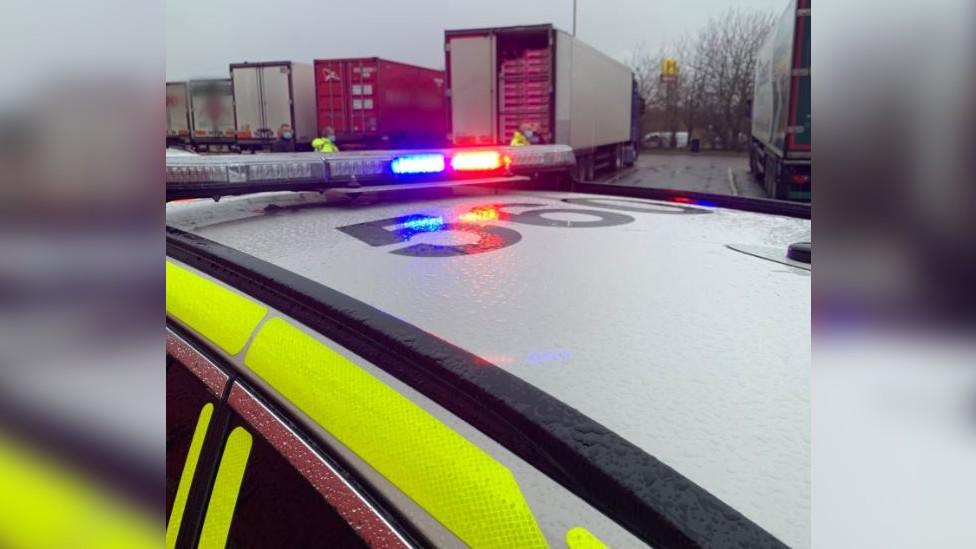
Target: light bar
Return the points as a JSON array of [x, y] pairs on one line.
[[196, 174], [542, 156], [357, 167], [282, 171], [418, 163], [476, 161], [229, 174], [239, 169]]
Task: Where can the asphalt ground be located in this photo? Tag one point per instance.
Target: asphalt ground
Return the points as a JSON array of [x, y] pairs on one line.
[[719, 173]]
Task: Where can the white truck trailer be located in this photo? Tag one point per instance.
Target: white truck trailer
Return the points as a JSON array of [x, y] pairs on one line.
[[539, 77], [270, 96]]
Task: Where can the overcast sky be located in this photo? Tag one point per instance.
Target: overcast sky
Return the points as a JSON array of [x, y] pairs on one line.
[[203, 37]]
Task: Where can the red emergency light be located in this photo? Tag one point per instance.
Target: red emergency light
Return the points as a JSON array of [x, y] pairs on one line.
[[475, 161]]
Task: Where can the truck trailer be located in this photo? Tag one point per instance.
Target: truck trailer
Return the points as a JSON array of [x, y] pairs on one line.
[[212, 114], [780, 155], [539, 77], [373, 103], [177, 114], [271, 97]]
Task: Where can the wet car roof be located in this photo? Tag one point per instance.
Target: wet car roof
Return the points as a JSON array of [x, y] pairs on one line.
[[654, 327]]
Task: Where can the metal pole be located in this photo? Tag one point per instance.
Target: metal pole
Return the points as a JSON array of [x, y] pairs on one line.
[[574, 17]]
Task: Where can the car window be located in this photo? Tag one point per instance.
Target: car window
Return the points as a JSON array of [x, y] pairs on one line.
[[189, 410], [276, 506], [228, 486]]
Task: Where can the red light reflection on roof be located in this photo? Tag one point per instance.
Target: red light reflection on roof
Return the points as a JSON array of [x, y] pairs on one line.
[[480, 215], [499, 360]]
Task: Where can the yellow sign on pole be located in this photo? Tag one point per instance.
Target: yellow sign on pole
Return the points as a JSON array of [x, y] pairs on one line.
[[669, 70]]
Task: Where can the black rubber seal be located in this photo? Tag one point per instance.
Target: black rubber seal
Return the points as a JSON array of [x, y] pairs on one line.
[[642, 494], [800, 251], [784, 208]]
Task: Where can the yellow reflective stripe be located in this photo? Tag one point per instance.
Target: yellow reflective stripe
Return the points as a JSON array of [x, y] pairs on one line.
[[45, 503], [460, 485], [221, 315], [186, 478], [581, 538], [223, 498]]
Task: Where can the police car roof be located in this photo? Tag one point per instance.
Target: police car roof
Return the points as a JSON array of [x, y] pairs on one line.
[[636, 313]]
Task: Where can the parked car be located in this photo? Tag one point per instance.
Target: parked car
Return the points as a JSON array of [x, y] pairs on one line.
[[658, 140]]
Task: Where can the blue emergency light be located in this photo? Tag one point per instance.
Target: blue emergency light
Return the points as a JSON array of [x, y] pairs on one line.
[[418, 163]]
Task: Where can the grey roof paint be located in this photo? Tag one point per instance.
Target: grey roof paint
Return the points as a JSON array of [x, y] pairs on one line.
[[697, 353]]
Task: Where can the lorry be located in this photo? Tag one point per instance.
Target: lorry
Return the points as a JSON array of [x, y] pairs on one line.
[[177, 114], [541, 78], [270, 97], [212, 114], [373, 103], [780, 152]]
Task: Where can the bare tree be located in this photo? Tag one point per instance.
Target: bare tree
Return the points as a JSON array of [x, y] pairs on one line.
[[660, 98], [714, 86], [690, 87], [724, 58], [646, 69]]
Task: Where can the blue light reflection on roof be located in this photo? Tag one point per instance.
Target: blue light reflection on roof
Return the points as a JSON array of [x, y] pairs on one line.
[[409, 225], [422, 223], [554, 355]]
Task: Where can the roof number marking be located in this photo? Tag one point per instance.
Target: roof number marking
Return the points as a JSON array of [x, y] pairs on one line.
[[394, 230]]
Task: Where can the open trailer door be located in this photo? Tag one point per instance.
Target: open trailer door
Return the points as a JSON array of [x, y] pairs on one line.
[[471, 61]]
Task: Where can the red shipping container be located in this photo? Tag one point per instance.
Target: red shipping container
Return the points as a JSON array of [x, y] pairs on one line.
[[376, 103]]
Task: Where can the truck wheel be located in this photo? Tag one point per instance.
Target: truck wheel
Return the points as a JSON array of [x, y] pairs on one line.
[[635, 151], [757, 174], [584, 168], [769, 177], [774, 187]]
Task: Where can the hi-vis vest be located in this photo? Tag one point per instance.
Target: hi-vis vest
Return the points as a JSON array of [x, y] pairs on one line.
[[324, 145], [518, 139]]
